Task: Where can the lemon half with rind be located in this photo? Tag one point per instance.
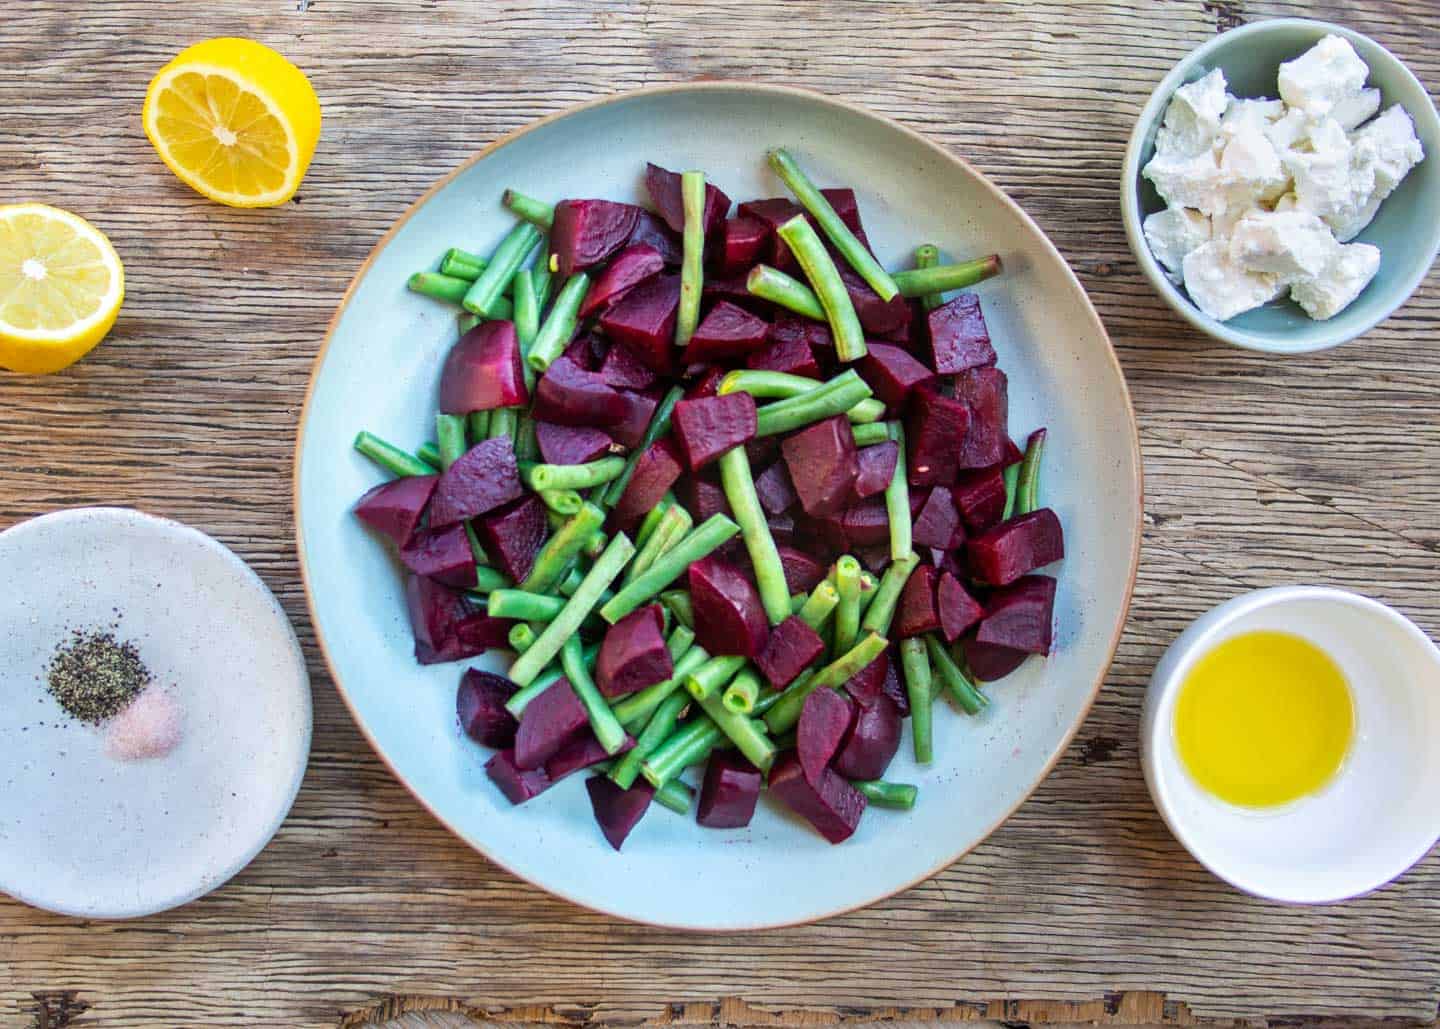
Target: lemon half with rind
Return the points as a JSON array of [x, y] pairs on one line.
[[61, 286], [234, 120]]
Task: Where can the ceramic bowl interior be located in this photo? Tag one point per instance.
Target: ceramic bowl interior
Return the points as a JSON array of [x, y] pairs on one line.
[[1406, 229], [1377, 817], [380, 369]]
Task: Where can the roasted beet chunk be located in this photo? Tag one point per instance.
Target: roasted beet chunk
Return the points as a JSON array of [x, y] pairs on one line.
[[980, 498], [448, 627], [803, 571], [480, 705], [568, 395], [958, 609], [773, 487], [631, 266], [518, 784], [743, 242], [959, 340], [792, 355], [656, 470], [640, 407], [664, 189], [824, 722], [989, 661], [512, 536], [729, 792], [916, 614], [868, 684], [616, 810], [938, 523], [1013, 548], [395, 508], [702, 497], [1021, 616], [729, 618], [792, 646], [877, 316], [872, 743], [985, 391], [571, 444], [482, 479], [441, 554], [651, 230], [935, 431], [823, 465], [623, 370], [832, 805], [774, 213], [876, 468], [633, 654], [727, 332], [644, 320], [709, 426], [892, 373], [553, 719], [482, 371], [579, 753], [586, 232]]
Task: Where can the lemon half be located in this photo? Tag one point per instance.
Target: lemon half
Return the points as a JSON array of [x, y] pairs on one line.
[[61, 285], [234, 120]]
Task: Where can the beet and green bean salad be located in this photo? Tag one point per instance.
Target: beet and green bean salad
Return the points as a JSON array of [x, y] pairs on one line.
[[733, 494]]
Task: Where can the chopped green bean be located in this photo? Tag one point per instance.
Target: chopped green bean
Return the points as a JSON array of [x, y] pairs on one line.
[[562, 501], [559, 325], [448, 288], [692, 193], [847, 614], [659, 426], [503, 421], [919, 281], [559, 551], [868, 587], [651, 521], [897, 501], [785, 291], [970, 699], [677, 602], [541, 279], [537, 212], [743, 691], [881, 611], [462, 264], [821, 603], [466, 321], [786, 710], [673, 526], [709, 677], [390, 457], [870, 434], [682, 638], [486, 293], [919, 688], [763, 384], [603, 722], [527, 320], [450, 431], [928, 256], [527, 447], [1012, 485], [1027, 486], [572, 476], [523, 605], [712, 533], [739, 486], [897, 795], [688, 745], [595, 544], [748, 735], [837, 396], [660, 726], [829, 287], [478, 424], [552, 674], [521, 637]]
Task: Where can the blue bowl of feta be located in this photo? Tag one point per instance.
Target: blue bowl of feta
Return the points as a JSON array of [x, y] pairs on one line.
[[1282, 186]]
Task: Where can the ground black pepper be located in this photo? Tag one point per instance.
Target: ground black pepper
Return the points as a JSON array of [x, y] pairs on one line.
[[93, 675]]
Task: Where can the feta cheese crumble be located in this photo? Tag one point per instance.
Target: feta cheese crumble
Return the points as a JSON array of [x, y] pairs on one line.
[[1263, 195]]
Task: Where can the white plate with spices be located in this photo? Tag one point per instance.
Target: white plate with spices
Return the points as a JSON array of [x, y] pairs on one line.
[[108, 611]]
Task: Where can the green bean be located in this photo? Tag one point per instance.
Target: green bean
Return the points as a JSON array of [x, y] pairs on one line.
[[573, 578], [670, 566], [763, 384], [527, 320], [897, 795], [829, 287], [523, 605], [918, 282], [478, 424], [651, 521], [714, 673], [868, 587], [559, 551], [881, 611], [541, 278], [462, 264], [837, 396], [553, 673], [1012, 485], [692, 193], [660, 726], [562, 501], [595, 545], [429, 453], [786, 710], [928, 256], [486, 292], [521, 637], [670, 530], [559, 325], [739, 486], [537, 212], [527, 447], [790, 293], [748, 735], [1027, 487], [970, 699], [603, 722], [919, 688], [682, 638], [450, 431], [847, 615], [488, 580], [634, 710], [390, 457], [448, 288], [572, 476], [688, 745], [743, 691], [565, 625], [677, 602], [659, 426], [897, 501], [675, 795], [821, 603], [466, 321], [855, 253], [871, 434]]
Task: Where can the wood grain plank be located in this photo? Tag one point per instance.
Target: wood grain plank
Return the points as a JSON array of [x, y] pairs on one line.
[[1082, 906]]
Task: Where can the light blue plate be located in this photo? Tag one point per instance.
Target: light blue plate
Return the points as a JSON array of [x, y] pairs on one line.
[[379, 371], [1406, 229]]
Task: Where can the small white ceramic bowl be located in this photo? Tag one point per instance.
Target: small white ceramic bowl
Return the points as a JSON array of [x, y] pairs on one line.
[[1378, 817]]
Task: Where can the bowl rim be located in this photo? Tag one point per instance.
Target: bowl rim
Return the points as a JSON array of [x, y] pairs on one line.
[[762, 89], [1178, 659], [1130, 201]]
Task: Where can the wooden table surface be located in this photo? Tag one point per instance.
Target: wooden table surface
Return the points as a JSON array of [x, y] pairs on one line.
[[1258, 472]]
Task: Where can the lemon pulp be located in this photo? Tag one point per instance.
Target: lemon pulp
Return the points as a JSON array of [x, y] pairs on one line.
[[1264, 719]]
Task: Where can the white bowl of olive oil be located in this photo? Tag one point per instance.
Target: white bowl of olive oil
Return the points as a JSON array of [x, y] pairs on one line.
[[1291, 741]]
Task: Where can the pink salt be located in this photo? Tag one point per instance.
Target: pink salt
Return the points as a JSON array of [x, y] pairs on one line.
[[148, 727]]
